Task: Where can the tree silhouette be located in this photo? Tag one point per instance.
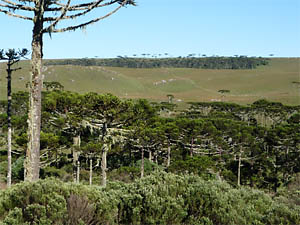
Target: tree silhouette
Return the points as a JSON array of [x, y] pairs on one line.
[[12, 57], [170, 98], [47, 14], [223, 92]]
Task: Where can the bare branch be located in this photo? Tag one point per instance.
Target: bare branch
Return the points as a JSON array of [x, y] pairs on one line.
[[83, 6], [15, 6], [86, 10], [15, 15], [72, 28], [64, 11]]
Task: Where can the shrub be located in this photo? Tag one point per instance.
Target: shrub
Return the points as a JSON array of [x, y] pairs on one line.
[[160, 198], [17, 169]]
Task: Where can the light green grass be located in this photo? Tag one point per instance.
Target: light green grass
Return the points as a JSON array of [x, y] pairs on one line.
[[272, 82]]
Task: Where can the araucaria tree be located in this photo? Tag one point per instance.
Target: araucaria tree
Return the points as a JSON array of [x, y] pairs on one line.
[[46, 17], [12, 57]]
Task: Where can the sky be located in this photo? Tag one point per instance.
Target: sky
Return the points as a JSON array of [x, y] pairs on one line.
[[176, 27]]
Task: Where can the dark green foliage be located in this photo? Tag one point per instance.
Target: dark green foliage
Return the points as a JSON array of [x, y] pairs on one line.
[[18, 169], [160, 198], [19, 104], [218, 131], [261, 112], [3, 166], [125, 174], [148, 166], [53, 172], [207, 141], [198, 165], [294, 119], [241, 62]]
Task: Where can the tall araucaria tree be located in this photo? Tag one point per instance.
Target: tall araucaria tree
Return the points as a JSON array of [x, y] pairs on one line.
[[46, 16], [12, 57]]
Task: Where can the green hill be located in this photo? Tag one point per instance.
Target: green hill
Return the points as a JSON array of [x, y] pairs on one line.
[[277, 81]]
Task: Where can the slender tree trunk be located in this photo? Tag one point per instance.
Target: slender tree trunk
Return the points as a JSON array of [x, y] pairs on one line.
[[104, 164], [56, 158], [251, 168], [150, 155], [78, 172], [276, 185], [91, 171], [75, 158], [239, 170], [32, 161], [142, 164], [76, 144], [169, 155], [8, 125], [218, 176], [286, 173], [191, 150]]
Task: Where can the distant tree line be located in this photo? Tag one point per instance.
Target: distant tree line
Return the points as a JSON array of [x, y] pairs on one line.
[[214, 62]]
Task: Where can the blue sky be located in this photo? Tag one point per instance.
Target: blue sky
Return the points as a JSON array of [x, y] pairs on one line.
[[177, 27]]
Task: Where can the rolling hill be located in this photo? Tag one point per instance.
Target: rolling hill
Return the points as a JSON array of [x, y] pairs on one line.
[[277, 81]]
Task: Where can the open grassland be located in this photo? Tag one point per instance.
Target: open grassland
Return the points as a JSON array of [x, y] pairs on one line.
[[273, 82]]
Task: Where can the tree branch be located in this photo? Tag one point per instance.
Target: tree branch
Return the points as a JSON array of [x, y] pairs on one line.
[[15, 6], [64, 11], [83, 25], [87, 10], [15, 15]]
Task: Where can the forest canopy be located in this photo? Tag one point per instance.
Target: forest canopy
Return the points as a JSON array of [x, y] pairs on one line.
[[241, 62]]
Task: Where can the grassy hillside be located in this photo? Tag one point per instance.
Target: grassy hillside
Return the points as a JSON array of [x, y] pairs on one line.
[[272, 82]]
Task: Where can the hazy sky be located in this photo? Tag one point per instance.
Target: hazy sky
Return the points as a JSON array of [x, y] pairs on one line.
[[177, 27]]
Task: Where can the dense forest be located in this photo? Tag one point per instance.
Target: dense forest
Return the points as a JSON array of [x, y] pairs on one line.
[[238, 62], [155, 165]]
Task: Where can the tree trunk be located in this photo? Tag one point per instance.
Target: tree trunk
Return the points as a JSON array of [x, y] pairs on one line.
[[78, 172], [142, 164], [8, 125], [150, 155], [76, 144], [32, 161], [169, 155], [75, 158], [286, 172], [239, 170], [104, 164], [191, 150], [91, 171]]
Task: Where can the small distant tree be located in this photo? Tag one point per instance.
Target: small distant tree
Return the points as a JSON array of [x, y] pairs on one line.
[[223, 92], [53, 85], [12, 56], [170, 98]]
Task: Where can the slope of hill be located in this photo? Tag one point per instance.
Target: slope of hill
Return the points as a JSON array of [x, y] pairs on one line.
[[277, 81]]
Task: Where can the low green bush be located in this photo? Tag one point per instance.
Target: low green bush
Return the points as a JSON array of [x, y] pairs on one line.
[[160, 198]]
